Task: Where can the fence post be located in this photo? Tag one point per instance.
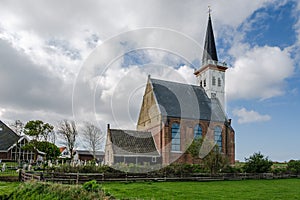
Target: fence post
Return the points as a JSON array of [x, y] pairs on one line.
[[20, 175], [77, 178]]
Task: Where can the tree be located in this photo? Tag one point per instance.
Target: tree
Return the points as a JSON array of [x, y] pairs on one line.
[[51, 150], [194, 148], [69, 132], [38, 129], [257, 163], [93, 136], [215, 160], [18, 126], [294, 166]]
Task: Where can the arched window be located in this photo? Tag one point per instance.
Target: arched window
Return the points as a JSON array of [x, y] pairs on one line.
[[175, 137], [213, 80], [218, 137], [219, 82], [198, 131]]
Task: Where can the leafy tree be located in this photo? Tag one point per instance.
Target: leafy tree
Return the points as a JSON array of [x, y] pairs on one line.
[[38, 129], [257, 163], [51, 150], [93, 136], [215, 160], [194, 148], [69, 132], [294, 166]]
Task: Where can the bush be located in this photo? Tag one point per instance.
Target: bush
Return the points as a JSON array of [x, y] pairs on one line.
[[294, 166], [92, 186], [38, 190], [257, 163]]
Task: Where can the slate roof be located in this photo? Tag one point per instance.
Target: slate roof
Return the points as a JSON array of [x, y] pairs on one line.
[[86, 152], [186, 101], [7, 137], [128, 142], [210, 52]]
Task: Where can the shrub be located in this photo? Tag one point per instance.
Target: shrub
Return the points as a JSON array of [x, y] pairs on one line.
[[294, 166], [257, 163], [92, 186]]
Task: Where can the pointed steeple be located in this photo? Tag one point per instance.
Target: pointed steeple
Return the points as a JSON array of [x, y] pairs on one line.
[[210, 52]]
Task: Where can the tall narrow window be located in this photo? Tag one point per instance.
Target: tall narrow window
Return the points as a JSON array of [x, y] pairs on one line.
[[201, 83], [204, 83], [213, 80], [219, 82], [175, 137], [218, 137], [198, 131]]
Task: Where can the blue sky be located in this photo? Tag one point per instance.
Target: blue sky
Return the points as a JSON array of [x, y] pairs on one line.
[[278, 137], [48, 69]]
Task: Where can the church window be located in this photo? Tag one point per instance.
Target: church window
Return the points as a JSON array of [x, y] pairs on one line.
[[213, 80], [175, 144], [218, 137], [204, 83], [198, 131], [219, 82]]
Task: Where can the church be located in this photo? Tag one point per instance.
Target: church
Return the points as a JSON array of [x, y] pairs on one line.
[[173, 114]]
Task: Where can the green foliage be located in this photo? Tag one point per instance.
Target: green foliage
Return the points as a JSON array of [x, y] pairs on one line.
[[7, 188], [39, 190], [38, 129], [194, 148], [215, 161], [92, 186], [51, 150], [257, 163], [294, 166], [89, 168]]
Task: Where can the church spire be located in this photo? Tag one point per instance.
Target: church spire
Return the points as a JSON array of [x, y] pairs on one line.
[[210, 52]]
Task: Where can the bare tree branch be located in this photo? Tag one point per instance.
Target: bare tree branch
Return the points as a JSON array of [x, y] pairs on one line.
[[93, 136], [69, 132]]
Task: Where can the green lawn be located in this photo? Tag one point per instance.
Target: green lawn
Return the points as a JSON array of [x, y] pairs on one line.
[[248, 189]]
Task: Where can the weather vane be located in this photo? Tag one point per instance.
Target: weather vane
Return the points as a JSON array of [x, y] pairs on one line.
[[209, 10]]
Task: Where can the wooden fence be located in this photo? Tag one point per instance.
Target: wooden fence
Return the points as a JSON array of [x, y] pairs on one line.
[[78, 178]]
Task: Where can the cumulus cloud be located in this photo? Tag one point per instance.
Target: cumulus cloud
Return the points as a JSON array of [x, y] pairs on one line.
[[45, 43], [259, 73], [249, 116]]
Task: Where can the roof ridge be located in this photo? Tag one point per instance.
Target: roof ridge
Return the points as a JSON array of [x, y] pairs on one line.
[[175, 82]]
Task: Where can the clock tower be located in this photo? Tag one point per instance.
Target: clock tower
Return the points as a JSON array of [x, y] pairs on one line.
[[211, 75]]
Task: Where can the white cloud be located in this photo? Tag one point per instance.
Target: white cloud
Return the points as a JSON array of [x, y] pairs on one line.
[[79, 26], [2, 111], [259, 73], [249, 116]]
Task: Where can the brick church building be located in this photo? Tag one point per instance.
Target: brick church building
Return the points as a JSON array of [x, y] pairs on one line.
[[173, 114]]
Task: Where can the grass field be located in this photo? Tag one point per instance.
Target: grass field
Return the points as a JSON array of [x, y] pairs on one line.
[[248, 189]]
